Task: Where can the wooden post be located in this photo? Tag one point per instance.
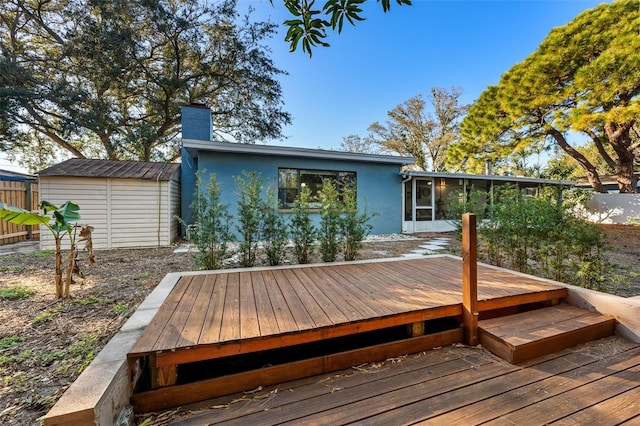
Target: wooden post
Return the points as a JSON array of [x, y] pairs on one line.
[[469, 279]]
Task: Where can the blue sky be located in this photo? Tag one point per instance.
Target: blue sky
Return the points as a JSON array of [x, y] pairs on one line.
[[387, 59]]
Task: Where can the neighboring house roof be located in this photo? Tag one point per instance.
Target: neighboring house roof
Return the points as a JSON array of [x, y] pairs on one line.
[[85, 167], [522, 179], [9, 176], [606, 180], [194, 146]]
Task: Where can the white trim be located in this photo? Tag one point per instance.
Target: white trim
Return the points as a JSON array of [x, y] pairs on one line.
[[415, 173]]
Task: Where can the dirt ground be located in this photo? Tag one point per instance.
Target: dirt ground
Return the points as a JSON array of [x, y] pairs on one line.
[[45, 343]]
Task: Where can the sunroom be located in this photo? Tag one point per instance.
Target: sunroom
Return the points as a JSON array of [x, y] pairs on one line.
[[427, 196]]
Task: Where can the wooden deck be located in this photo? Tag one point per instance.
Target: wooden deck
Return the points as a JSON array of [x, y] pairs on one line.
[[227, 313], [596, 383]]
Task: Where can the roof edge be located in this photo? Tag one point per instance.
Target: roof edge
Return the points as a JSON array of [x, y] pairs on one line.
[[241, 148]]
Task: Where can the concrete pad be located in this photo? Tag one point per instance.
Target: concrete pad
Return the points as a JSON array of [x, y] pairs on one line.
[[412, 255], [432, 247]]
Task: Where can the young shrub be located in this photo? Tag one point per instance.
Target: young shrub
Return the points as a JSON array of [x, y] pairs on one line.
[[248, 188], [330, 221], [60, 221], [211, 230], [355, 226], [273, 229], [303, 233]]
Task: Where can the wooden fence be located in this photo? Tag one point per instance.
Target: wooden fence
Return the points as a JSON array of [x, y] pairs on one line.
[[23, 195]]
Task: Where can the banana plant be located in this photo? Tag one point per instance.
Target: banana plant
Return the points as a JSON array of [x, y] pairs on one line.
[[60, 221]]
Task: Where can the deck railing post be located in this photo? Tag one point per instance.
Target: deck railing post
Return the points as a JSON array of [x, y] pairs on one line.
[[469, 279]]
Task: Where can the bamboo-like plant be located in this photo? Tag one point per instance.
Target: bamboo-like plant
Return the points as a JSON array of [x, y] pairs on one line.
[[60, 221]]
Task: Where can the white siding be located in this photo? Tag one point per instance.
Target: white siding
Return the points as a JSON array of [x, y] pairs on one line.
[[174, 207], [123, 212]]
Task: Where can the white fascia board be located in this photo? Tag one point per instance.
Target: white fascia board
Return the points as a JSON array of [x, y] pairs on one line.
[[415, 173], [194, 146]]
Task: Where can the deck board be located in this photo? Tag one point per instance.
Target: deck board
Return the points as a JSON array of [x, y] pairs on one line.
[[266, 317], [283, 316], [213, 319], [329, 307], [217, 314], [261, 303], [230, 327], [249, 326], [190, 333], [301, 317], [596, 383]]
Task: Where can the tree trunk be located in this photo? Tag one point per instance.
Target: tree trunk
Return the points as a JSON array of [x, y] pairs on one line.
[[620, 140], [592, 173], [57, 279], [69, 274]]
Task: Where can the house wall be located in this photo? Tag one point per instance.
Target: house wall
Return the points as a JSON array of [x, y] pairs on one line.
[[378, 185], [613, 208], [123, 212]]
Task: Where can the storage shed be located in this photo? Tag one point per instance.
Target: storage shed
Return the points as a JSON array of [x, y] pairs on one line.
[[129, 203]]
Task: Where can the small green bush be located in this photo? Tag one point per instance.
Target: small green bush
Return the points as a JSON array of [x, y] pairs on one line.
[[541, 235], [248, 189], [15, 292], [303, 232], [8, 341], [210, 231], [355, 225], [330, 223], [273, 228]]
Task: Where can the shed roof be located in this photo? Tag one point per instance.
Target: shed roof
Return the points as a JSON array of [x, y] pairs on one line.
[[85, 167]]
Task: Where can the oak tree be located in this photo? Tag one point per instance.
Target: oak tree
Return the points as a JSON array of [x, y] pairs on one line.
[[106, 78], [425, 135]]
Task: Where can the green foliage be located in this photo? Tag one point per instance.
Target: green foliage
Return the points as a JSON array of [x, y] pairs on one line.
[[18, 381], [15, 292], [39, 253], [303, 232], [355, 226], [309, 26], [122, 101], [273, 228], [458, 203], [60, 221], [49, 314], [330, 221], [584, 77], [541, 235], [8, 341], [212, 222], [248, 188], [120, 308]]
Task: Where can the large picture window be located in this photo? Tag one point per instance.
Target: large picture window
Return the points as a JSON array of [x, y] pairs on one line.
[[291, 181]]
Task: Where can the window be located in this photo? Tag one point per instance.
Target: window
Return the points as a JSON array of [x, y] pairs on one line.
[[290, 181]]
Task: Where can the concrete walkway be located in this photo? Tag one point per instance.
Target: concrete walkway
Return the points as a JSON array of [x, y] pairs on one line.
[[19, 248], [431, 246]]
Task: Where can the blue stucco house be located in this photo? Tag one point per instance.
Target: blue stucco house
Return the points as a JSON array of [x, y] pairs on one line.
[[377, 177]]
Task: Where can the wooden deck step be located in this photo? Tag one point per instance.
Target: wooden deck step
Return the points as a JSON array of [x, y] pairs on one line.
[[520, 337]]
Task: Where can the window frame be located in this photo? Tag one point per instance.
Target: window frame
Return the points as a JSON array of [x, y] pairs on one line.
[[342, 177]]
